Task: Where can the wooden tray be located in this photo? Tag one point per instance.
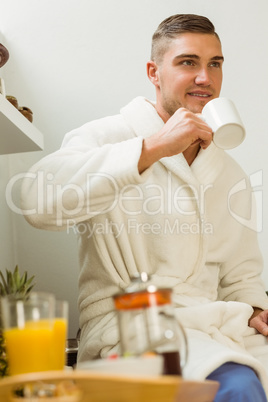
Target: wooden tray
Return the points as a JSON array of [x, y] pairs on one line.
[[97, 387]]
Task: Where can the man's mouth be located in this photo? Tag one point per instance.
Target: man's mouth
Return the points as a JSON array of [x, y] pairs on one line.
[[201, 95]]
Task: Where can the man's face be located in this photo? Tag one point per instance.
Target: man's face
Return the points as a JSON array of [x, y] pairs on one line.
[[190, 74]]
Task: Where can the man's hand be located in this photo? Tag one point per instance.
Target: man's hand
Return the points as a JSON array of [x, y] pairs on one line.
[[183, 130], [259, 321]]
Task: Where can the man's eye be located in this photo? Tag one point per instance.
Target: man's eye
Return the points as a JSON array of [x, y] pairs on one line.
[[187, 63], [215, 64]]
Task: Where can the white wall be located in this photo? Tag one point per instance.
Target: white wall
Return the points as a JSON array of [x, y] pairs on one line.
[[8, 249], [7, 240], [72, 61]]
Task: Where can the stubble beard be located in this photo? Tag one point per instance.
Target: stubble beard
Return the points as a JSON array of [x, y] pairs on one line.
[[171, 106]]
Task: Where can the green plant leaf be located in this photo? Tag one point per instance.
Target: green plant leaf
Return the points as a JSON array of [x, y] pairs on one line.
[[3, 284]]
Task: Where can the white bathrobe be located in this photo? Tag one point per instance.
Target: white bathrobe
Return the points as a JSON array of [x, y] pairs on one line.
[[191, 228]]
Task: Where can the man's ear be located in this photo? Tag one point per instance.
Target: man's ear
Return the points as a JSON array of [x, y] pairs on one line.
[[152, 73]]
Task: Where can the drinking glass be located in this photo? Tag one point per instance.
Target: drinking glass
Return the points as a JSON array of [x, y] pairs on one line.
[[28, 331], [59, 335]]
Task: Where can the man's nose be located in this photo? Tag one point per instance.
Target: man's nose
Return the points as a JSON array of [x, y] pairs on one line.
[[203, 77]]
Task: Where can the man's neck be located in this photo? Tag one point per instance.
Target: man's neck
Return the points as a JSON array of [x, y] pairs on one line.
[[191, 153]]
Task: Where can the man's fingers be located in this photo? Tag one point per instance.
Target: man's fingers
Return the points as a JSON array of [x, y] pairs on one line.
[[258, 323]]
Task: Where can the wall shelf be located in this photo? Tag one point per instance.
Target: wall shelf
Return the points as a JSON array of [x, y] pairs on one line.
[[17, 134]]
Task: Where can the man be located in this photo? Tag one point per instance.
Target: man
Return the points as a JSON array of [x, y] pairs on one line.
[[147, 190]]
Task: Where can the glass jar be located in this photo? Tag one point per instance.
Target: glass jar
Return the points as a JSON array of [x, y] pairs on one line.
[[147, 324]]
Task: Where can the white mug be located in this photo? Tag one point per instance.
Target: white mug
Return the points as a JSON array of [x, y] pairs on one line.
[[222, 116]]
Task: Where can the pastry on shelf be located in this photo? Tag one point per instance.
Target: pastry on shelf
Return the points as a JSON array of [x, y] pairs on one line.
[[26, 112], [13, 100]]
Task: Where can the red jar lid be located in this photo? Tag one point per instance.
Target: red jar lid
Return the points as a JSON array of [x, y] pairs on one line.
[[141, 300], [142, 294]]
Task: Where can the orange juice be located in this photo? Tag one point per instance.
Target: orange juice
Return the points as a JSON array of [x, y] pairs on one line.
[[28, 348], [58, 344]]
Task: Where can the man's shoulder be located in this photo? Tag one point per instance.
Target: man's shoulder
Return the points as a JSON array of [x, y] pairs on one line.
[[103, 130]]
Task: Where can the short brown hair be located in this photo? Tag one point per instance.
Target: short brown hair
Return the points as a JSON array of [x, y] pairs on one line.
[[175, 25]]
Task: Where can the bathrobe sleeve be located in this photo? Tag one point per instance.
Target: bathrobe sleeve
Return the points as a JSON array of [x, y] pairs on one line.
[[84, 177]]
